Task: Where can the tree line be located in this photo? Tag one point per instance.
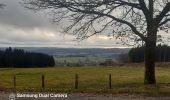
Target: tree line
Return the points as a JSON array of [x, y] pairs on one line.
[[162, 54], [20, 58]]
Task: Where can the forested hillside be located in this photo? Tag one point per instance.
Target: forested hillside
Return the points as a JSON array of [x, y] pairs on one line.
[[19, 58]]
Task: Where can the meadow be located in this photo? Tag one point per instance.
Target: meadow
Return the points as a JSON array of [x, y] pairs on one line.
[[125, 79], [81, 59]]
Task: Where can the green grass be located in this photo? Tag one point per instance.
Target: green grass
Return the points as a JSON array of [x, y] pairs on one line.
[[91, 79], [76, 59]]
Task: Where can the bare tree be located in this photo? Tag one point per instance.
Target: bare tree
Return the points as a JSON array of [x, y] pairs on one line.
[[137, 20]]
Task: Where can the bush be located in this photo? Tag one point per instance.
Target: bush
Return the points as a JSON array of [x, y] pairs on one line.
[[124, 58], [108, 62]]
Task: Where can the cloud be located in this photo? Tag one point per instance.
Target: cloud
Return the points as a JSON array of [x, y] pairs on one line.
[[22, 27]]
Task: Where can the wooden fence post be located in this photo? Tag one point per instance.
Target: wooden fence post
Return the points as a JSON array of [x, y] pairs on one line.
[[43, 83], [76, 81], [14, 79], [110, 81]]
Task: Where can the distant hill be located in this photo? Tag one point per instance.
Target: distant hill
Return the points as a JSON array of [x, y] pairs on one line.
[[75, 51], [74, 55]]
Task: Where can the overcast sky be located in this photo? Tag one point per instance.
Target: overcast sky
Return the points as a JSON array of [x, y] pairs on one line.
[[22, 27]]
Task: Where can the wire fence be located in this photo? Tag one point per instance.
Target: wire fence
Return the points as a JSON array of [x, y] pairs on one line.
[[42, 81]]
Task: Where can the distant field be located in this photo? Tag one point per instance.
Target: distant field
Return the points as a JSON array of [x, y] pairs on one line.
[[91, 79], [61, 60]]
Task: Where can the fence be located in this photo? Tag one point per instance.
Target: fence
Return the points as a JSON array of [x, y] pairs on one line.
[[76, 81]]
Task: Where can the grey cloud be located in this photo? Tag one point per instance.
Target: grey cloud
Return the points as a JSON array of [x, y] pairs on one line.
[[16, 15], [22, 27]]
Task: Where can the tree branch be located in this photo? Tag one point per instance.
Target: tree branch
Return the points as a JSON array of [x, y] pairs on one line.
[[144, 9], [112, 17], [164, 22], [166, 9]]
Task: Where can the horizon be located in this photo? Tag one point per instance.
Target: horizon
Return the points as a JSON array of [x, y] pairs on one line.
[[72, 47]]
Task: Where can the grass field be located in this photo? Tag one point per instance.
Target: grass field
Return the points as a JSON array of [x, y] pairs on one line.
[[77, 59], [91, 79]]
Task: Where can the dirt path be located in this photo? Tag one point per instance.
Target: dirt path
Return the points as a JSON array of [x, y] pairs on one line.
[[86, 96]]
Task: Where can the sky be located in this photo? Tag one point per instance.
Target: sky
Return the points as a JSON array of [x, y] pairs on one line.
[[20, 27]]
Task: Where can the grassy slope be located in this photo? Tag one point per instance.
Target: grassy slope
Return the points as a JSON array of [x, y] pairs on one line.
[[92, 79]]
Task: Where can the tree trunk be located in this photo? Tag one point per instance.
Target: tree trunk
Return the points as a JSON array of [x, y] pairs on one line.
[[150, 62]]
